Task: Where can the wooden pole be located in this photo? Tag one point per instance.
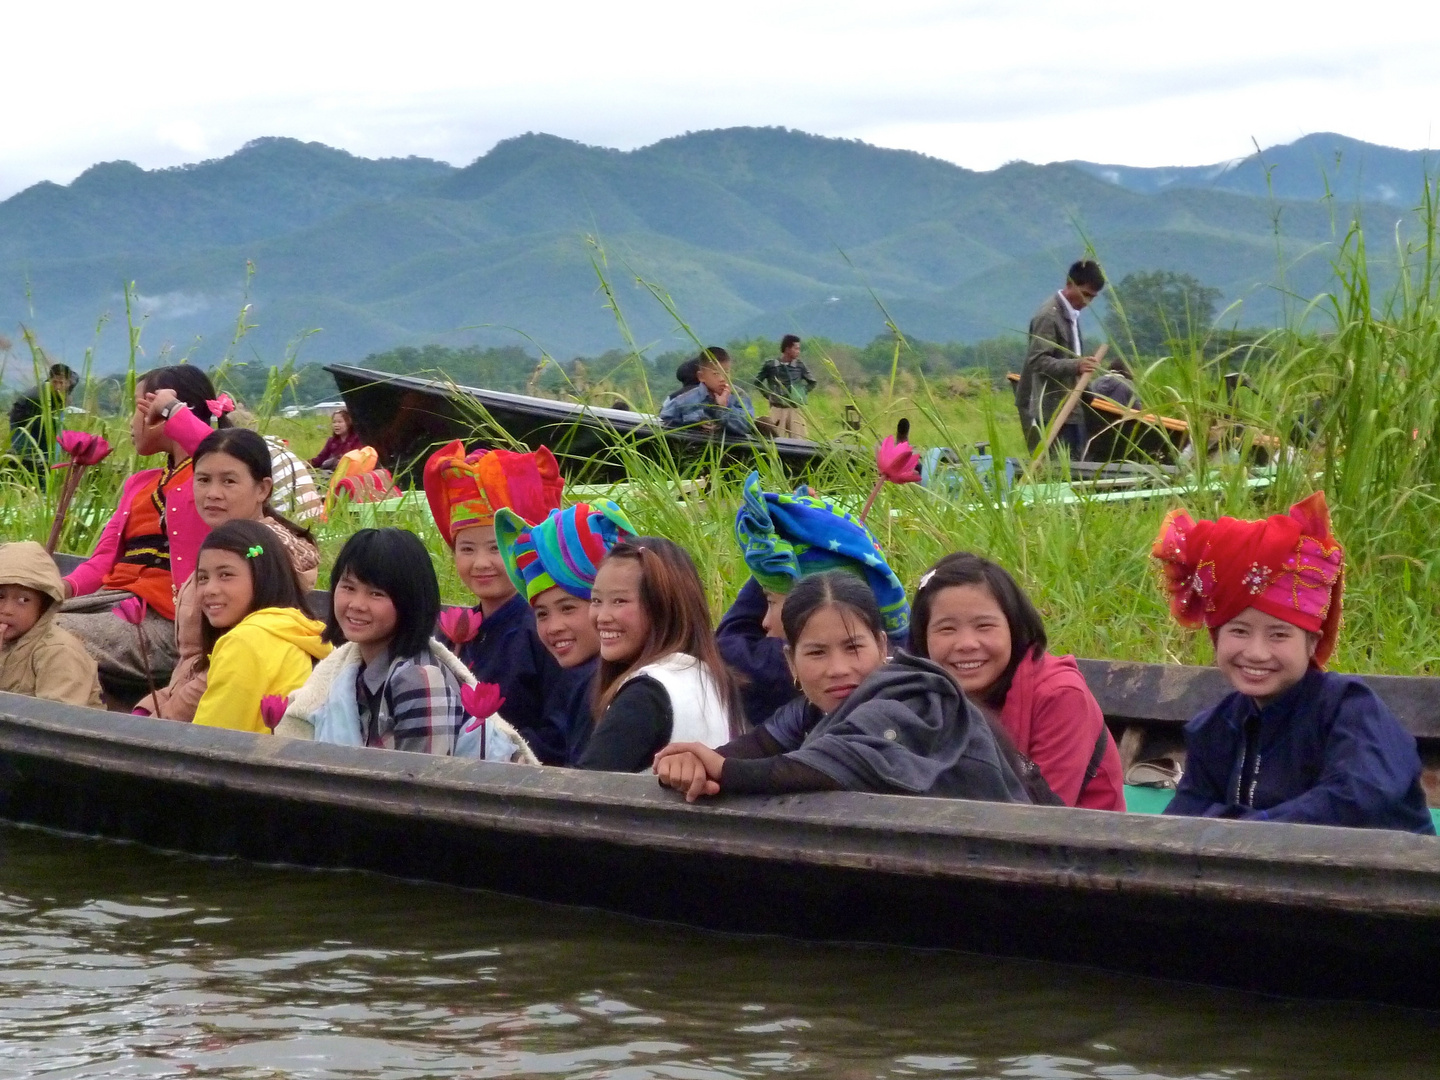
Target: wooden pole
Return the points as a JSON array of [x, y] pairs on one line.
[[1068, 406]]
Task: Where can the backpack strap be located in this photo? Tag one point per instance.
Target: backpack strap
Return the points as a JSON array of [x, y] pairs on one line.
[[1093, 769]]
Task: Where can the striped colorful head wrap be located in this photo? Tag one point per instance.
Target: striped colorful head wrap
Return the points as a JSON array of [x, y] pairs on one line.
[[787, 537], [465, 491], [565, 549]]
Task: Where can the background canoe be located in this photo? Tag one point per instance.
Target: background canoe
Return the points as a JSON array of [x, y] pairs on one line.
[[404, 418], [1282, 908]]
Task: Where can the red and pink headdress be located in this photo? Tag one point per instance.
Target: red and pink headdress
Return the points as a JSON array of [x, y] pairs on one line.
[[1288, 566], [467, 490]]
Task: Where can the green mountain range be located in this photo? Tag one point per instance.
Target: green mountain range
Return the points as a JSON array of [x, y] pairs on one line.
[[746, 231]]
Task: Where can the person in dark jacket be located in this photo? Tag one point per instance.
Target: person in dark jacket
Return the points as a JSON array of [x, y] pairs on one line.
[[1293, 742], [900, 727], [785, 538], [464, 493], [1055, 359], [32, 440], [713, 404], [343, 438], [553, 565], [786, 382]]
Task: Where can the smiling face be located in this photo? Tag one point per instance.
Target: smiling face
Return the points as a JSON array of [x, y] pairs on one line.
[[1261, 655], [225, 490], [833, 654], [224, 587], [969, 637], [20, 610], [478, 562], [619, 618], [563, 623], [365, 614]]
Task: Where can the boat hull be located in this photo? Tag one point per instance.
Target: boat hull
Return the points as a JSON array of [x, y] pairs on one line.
[[405, 418], [1278, 908]]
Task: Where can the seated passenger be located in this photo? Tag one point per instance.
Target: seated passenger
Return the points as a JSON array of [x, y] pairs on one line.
[[973, 620], [713, 404], [149, 545], [343, 438], [464, 492], [553, 564], [661, 679], [389, 685], [231, 483], [257, 638], [38, 656], [1293, 742], [900, 728], [785, 538]]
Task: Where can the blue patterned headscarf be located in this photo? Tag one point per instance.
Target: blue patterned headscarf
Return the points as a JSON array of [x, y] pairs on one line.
[[787, 537]]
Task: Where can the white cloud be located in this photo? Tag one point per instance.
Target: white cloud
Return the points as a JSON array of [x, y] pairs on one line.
[[1127, 81]]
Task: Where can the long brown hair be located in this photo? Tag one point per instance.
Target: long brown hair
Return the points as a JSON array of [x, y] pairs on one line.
[[674, 602]]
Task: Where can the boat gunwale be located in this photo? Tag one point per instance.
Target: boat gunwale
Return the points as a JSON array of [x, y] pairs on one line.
[[1297, 866]]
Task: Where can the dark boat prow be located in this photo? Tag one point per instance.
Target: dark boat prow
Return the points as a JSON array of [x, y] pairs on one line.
[[1292, 909], [404, 418]]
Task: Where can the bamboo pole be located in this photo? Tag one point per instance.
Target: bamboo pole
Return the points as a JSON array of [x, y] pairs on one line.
[[1068, 406]]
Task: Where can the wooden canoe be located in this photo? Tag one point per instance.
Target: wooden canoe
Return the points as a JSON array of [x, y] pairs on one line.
[[1301, 910], [405, 417]]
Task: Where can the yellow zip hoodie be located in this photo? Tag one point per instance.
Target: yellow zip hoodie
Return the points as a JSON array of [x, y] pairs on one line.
[[270, 651]]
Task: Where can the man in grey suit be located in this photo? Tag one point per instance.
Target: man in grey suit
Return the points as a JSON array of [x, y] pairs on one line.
[[1056, 358]]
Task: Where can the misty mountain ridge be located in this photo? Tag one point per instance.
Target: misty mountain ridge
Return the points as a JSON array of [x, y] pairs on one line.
[[748, 230]]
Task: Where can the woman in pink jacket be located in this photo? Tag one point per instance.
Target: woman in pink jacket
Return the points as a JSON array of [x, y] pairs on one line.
[[970, 617], [151, 542]]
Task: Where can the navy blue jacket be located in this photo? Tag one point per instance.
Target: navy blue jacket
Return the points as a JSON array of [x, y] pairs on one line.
[[1325, 752], [761, 659], [538, 692], [581, 683]]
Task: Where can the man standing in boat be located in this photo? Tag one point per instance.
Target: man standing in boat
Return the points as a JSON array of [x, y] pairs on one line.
[[1055, 360], [786, 382]]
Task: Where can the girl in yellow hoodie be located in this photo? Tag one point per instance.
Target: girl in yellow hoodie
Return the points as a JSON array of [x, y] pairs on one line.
[[258, 638]]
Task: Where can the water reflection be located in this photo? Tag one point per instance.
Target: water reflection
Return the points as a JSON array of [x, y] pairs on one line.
[[116, 961]]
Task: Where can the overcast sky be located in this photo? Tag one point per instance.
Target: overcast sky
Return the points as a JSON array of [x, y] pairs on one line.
[[1119, 81]]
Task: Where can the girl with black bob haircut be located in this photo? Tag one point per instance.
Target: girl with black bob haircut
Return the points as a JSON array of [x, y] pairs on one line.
[[971, 618], [867, 725], [389, 684], [258, 638]]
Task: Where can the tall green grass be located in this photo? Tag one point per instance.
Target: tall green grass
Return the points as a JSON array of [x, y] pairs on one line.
[[1346, 397]]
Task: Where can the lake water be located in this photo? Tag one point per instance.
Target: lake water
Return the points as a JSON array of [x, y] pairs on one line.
[[117, 961]]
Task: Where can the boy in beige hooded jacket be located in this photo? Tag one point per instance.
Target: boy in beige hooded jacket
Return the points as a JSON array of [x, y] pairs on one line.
[[38, 656]]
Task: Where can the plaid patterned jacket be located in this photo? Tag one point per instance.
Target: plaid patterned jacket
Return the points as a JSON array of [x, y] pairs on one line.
[[417, 708]]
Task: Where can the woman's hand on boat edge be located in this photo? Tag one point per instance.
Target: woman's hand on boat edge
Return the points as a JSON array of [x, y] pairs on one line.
[[690, 768]]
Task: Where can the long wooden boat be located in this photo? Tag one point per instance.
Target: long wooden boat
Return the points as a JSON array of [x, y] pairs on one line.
[[1291, 909], [404, 417]]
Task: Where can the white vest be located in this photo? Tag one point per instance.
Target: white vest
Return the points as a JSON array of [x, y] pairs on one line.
[[695, 701]]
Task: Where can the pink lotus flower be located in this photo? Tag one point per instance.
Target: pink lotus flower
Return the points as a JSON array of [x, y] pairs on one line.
[[131, 611], [460, 624], [272, 708], [83, 448], [898, 463], [481, 701], [220, 406]]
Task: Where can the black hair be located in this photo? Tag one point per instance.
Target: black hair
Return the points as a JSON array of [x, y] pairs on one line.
[[65, 370], [711, 354], [788, 340], [686, 373], [272, 574], [253, 451], [395, 561], [1027, 629], [834, 588], [1086, 272], [191, 385]]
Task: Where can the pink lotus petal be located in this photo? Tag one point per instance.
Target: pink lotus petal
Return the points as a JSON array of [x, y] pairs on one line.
[[131, 611], [272, 708], [83, 447], [897, 462], [481, 701], [460, 624]]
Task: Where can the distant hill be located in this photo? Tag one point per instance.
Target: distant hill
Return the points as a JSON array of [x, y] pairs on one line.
[[748, 230]]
